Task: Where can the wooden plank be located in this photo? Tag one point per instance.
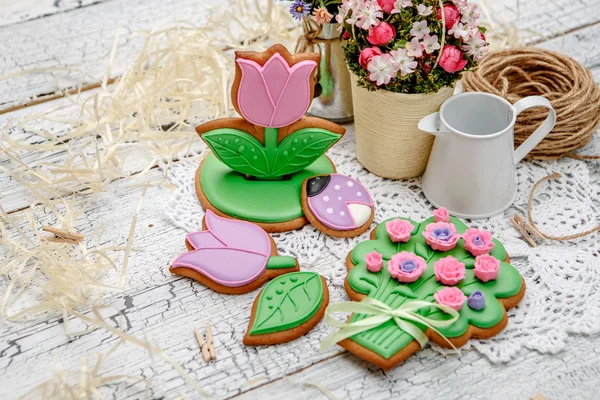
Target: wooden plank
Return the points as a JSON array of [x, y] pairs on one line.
[[15, 12], [79, 40], [428, 375]]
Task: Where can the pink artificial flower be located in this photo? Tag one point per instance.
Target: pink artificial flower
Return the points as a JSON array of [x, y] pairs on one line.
[[486, 267], [406, 267], [399, 230], [451, 14], [478, 242], [441, 215], [274, 95], [367, 54], [381, 34], [450, 296], [441, 236], [346, 35], [322, 16], [374, 261], [449, 270], [451, 59], [386, 5]]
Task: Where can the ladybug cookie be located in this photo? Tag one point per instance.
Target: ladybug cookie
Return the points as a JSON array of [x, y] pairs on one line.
[[337, 205]]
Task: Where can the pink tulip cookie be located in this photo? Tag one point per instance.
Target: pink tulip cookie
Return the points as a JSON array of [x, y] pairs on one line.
[[231, 256], [337, 205], [258, 162]]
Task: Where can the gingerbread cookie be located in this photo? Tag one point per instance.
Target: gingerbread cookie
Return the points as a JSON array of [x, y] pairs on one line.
[[337, 205], [258, 162], [288, 307], [438, 279], [231, 257]]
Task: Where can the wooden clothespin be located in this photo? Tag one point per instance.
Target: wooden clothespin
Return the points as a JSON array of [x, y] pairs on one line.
[[529, 233], [538, 396], [206, 343], [62, 236]]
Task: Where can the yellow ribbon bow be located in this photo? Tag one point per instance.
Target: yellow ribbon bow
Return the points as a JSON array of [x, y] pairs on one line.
[[404, 316]]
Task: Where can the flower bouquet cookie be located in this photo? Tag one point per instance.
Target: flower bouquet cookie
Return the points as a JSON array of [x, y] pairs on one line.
[[413, 282]]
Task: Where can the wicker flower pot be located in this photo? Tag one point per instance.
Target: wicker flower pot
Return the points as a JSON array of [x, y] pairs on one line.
[[388, 142]]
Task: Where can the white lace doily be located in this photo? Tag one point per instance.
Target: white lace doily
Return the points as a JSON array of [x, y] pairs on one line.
[[563, 278]]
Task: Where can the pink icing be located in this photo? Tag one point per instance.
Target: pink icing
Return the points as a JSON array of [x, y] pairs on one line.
[[330, 206], [374, 261], [449, 270], [275, 94], [486, 267], [450, 296], [230, 252], [406, 267], [441, 215], [478, 242], [441, 236], [399, 230]]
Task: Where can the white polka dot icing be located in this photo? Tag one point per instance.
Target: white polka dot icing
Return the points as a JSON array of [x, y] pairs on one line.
[[352, 210]]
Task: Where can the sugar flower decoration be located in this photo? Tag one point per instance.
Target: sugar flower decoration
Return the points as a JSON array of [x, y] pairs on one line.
[[424, 11], [381, 69], [406, 267], [420, 29], [441, 215], [405, 64], [441, 236], [299, 9], [486, 267], [414, 48], [449, 271], [430, 44], [374, 261], [399, 230], [478, 242], [322, 16], [400, 4], [450, 296], [476, 300]]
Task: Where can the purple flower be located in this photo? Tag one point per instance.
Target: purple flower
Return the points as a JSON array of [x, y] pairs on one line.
[[441, 236], [476, 300], [299, 9], [406, 267]]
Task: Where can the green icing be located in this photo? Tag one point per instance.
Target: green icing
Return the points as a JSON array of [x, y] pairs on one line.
[[279, 262], [243, 153], [287, 301], [388, 339], [259, 201]]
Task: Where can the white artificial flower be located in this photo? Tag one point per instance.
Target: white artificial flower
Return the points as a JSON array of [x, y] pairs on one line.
[[405, 64], [400, 4], [460, 4], [476, 47], [414, 48], [382, 69], [470, 14], [460, 31], [368, 14], [430, 44], [419, 29], [424, 11]]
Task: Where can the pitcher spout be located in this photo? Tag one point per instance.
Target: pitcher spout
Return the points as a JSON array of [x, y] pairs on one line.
[[431, 124]]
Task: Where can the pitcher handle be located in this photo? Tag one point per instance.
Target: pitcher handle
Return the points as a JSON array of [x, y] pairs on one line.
[[431, 124], [541, 132]]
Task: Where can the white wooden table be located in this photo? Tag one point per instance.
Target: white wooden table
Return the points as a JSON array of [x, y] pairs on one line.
[[165, 309]]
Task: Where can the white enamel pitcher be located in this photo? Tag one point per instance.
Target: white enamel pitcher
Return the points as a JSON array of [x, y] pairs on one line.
[[471, 170]]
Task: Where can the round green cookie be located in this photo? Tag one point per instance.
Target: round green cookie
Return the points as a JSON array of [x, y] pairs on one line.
[[273, 205]]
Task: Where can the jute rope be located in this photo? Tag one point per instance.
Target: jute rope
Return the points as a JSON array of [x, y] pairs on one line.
[[570, 87], [529, 229], [308, 42]]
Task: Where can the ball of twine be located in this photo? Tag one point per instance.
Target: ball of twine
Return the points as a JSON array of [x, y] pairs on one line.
[[570, 87]]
